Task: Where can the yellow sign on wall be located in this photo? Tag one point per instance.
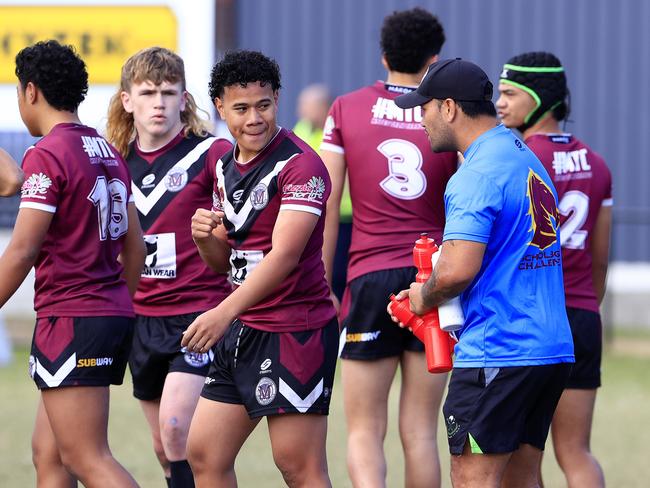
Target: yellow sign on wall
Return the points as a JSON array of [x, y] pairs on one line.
[[103, 36]]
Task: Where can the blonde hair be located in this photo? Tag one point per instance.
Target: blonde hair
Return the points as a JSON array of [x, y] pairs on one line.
[[155, 64]]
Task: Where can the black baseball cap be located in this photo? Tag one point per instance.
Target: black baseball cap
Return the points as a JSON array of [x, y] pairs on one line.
[[450, 78]]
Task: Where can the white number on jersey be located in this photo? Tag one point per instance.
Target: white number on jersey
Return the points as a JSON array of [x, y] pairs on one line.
[[405, 179], [111, 202], [575, 206]]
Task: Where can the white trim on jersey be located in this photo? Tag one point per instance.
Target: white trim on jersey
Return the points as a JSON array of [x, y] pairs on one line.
[[301, 208], [302, 405], [38, 206], [145, 204], [54, 380], [328, 146], [238, 219], [608, 202]]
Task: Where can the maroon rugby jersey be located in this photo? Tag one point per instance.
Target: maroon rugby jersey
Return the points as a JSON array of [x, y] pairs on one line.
[[169, 184], [286, 175], [75, 174], [584, 184], [397, 183]]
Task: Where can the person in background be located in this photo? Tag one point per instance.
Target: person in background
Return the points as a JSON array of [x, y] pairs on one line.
[[397, 186], [154, 122], [533, 99], [78, 226], [501, 254]]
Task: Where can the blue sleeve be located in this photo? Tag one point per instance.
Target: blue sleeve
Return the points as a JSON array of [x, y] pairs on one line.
[[472, 204]]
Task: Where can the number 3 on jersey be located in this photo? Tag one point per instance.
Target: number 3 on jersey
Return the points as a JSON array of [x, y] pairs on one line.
[[111, 203], [575, 206], [405, 179]]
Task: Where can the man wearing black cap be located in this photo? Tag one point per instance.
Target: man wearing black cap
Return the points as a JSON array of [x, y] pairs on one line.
[[501, 254], [533, 99]]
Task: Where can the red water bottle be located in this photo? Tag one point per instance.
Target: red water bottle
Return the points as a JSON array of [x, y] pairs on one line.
[[437, 344]]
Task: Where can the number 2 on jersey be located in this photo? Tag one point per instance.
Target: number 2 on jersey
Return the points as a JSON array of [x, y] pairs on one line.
[[405, 179], [575, 206], [111, 203]]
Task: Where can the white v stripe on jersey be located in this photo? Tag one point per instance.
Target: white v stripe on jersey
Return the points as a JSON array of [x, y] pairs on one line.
[[302, 405], [54, 380], [238, 219], [145, 204]]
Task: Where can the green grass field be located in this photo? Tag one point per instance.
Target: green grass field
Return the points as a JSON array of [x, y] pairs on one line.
[[621, 429]]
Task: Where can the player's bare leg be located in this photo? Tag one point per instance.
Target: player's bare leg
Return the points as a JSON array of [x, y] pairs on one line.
[[571, 433], [366, 385], [151, 410], [522, 468], [298, 442], [79, 419], [50, 472], [419, 411], [478, 470], [217, 432]]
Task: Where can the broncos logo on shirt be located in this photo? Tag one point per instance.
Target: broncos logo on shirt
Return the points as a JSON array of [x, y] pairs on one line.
[[543, 212]]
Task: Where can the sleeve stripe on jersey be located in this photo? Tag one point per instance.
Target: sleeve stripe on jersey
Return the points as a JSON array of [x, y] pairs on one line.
[[38, 206], [301, 208], [326, 146], [608, 202]]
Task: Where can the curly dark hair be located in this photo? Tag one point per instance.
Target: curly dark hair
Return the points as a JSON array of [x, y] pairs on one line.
[[409, 38], [57, 70], [241, 68]]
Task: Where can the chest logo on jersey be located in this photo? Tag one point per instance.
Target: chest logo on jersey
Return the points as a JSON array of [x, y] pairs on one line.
[[175, 179], [148, 181], [543, 212], [160, 262], [36, 186], [312, 191], [259, 196]]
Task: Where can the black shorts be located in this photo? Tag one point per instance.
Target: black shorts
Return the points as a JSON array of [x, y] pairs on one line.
[[498, 409], [157, 351], [369, 331], [80, 351], [587, 333], [272, 373]]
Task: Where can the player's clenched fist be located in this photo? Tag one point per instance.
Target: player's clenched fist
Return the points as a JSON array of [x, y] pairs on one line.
[[204, 222]]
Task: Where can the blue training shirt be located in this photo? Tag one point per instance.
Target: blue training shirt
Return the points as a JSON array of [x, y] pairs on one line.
[[514, 309]]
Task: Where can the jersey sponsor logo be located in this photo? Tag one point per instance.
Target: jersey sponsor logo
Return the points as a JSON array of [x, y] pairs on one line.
[[175, 179], [94, 362], [363, 336], [259, 196], [398, 88], [266, 364], [98, 151], [265, 391], [571, 162], [161, 256], [243, 262], [208, 380], [385, 112], [196, 359], [36, 186], [148, 181], [543, 211], [312, 191], [236, 196]]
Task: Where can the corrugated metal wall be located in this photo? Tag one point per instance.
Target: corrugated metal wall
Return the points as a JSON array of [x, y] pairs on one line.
[[604, 45]]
